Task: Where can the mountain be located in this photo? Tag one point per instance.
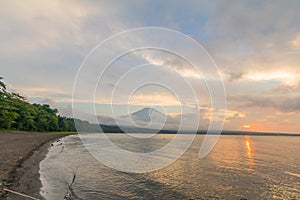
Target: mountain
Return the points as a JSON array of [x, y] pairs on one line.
[[149, 117]]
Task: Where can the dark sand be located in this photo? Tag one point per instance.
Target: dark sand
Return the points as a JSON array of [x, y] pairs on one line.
[[20, 155]]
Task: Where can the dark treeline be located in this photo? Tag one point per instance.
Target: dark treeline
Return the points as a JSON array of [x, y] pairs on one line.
[[16, 113]]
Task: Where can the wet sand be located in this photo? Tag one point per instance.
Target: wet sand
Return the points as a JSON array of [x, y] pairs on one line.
[[20, 155]]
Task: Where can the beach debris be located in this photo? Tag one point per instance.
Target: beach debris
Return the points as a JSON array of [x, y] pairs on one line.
[[70, 195], [20, 194], [62, 149], [2, 192]]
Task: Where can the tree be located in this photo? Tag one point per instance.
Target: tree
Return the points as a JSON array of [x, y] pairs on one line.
[[8, 113], [2, 85], [18, 114]]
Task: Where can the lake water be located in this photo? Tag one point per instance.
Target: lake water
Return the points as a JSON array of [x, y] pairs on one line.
[[250, 167]]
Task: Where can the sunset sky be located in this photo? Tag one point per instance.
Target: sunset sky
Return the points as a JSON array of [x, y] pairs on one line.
[[255, 45]]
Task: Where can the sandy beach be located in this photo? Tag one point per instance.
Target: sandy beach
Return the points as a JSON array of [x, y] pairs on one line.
[[20, 156]]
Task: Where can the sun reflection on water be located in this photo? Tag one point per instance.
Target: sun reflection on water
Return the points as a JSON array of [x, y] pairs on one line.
[[249, 148]]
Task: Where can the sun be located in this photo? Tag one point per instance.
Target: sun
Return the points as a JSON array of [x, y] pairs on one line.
[[247, 126]]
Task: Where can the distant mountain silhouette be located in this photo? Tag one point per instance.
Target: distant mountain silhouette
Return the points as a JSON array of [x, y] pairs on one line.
[[146, 117]]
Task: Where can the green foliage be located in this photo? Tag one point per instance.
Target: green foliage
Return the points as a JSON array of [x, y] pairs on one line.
[[2, 85], [16, 113]]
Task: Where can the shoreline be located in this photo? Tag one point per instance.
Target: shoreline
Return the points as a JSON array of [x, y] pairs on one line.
[[22, 153]]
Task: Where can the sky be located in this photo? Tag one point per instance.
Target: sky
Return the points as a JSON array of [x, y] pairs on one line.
[[254, 44]]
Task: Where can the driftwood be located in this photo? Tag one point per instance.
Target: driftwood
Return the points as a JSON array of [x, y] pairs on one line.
[[20, 194], [70, 195]]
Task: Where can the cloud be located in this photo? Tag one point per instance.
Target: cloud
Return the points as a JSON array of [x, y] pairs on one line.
[[163, 59], [286, 89], [251, 38], [48, 101], [291, 104], [233, 75], [281, 103], [281, 76], [44, 43], [296, 42], [154, 99]]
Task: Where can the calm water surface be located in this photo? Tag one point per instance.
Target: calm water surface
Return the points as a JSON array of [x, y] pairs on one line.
[[251, 167]]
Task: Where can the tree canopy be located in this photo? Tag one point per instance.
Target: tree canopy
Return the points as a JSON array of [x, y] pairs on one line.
[[16, 113]]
